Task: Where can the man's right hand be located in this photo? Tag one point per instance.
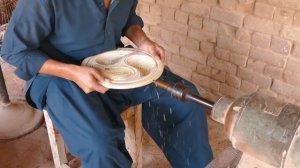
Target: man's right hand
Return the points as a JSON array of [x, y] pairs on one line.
[[87, 78]]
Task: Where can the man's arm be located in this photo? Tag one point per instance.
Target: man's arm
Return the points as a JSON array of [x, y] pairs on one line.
[[86, 78], [136, 34], [30, 24]]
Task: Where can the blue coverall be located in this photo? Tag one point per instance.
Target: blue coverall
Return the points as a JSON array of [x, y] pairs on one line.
[[91, 126]]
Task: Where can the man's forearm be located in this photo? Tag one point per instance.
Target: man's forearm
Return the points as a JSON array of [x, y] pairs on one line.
[[136, 34], [140, 39], [59, 69]]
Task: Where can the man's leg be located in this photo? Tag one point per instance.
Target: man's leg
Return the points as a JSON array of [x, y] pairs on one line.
[[90, 124], [179, 128]]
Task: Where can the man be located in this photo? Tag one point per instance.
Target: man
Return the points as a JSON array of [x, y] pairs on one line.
[[46, 41]]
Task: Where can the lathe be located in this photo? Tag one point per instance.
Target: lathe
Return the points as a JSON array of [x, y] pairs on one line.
[[259, 126]]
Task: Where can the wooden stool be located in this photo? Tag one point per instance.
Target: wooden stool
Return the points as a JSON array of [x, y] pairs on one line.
[[132, 117]]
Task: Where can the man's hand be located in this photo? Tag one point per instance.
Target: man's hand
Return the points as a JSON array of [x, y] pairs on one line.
[[152, 48], [87, 78], [136, 34]]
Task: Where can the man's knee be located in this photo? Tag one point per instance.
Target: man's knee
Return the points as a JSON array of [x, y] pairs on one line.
[[59, 84]]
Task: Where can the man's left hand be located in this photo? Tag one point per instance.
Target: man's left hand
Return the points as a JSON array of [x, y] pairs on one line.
[[152, 48]]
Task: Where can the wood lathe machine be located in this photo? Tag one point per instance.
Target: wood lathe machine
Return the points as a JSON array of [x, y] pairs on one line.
[[261, 127]]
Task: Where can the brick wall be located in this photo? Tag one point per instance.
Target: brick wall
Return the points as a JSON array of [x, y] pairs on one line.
[[230, 47]]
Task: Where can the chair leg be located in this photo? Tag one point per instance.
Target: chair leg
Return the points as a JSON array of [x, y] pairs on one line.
[[58, 147], [138, 135], [56, 143]]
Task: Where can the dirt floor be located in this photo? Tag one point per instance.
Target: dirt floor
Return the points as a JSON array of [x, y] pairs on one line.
[[33, 151]]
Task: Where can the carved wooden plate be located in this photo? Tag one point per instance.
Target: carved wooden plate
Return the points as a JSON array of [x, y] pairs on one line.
[[126, 67]]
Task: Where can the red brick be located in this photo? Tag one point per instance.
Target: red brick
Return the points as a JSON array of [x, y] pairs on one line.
[[246, 1], [192, 43], [174, 26], [202, 35], [168, 13], [261, 40], [293, 65], [246, 8], [230, 91], [143, 7], [170, 3], [173, 48], [150, 19], [204, 70], [286, 89], [274, 72], [166, 35], [291, 33], [254, 77], [267, 92], [155, 31], [226, 30], [229, 4], [148, 1], [206, 82], [243, 35], [296, 21], [181, 17], [193, 55], [179, 39], [238, 59], [207, 48], [184, 72], [248, 87], [184, 62], [281, 46], [218, 75], [267, 56], [233, 45], [195, 8], [210, 2], [271, 2], [210, 26], [256, 65], [155, 10], [264, 10], [283, 16], [291, 78], [222, 54], [289, 4], [296, 50], [195, 22], [261, 25], [225, 16], [222, 65], [233, 81]]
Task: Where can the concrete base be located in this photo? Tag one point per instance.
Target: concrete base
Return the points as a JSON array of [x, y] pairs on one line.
[[18, 119]]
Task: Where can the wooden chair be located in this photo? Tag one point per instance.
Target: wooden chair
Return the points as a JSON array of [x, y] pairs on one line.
[[133, 137]]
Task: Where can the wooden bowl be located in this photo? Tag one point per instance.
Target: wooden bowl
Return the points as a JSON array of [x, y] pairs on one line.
[[126, 68]]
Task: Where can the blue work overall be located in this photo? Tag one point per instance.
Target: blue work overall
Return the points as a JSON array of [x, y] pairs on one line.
[[93, 129]]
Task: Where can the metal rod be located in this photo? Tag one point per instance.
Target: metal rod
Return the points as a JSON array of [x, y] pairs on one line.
[[4, 98], [181, 92], [200, 100]]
